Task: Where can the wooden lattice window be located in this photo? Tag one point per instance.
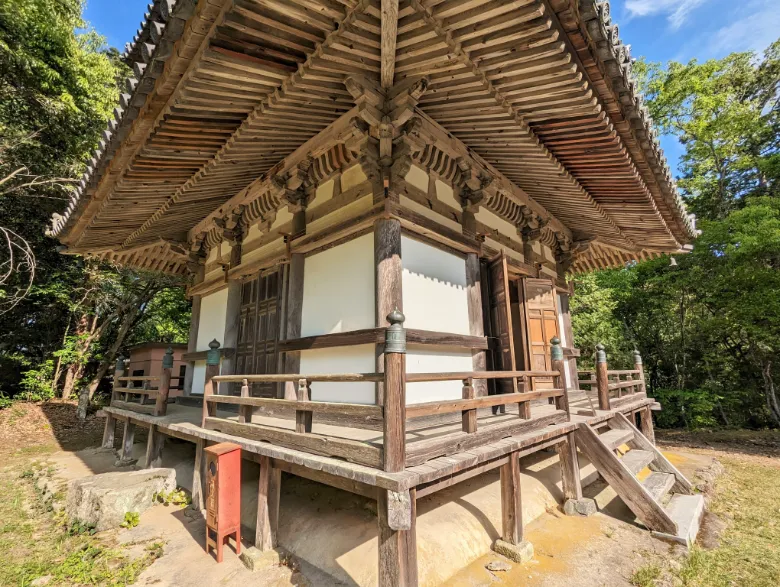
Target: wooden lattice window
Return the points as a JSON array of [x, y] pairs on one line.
[[257, 351]]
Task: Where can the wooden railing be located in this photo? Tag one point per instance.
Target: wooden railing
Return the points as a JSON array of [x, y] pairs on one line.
[[126, 396], [626, 382], [391, 416]]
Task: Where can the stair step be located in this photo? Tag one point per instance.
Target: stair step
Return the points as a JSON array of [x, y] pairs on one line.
[[687, 512], [636, 459], [616, 437], [658, 484]]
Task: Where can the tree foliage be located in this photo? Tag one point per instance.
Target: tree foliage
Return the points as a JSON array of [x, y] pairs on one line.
[[58, 86], [708, 326]]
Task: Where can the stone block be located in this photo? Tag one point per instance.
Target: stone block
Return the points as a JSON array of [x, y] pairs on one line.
[[520, 553], [255, 559], [101, 501], [580, 507]]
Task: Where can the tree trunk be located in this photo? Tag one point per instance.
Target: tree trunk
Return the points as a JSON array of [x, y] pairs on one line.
[[769, 391], [87, 391]]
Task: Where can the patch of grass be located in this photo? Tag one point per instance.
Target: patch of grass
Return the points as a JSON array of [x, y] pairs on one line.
[[748, 498], [646, 576], [36, 543], [176, 497], [132, 519]]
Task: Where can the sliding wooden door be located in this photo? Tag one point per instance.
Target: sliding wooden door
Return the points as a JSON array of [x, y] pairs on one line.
[[257, 351]]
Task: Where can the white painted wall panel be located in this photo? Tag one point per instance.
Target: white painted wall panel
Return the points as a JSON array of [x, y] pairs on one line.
[[338, 289], [353, 359], [211, 325], [427, 359], [434, 288]]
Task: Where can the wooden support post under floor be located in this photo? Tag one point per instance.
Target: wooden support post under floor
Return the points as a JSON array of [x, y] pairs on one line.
[[268, 488], [154, 447], [128, 437], [512, 544], [574, 504], [646, 423], [397, 547], [109, 431], [198, 477]]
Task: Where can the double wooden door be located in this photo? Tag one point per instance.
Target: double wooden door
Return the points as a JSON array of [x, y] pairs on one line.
[[257, 351], [523, 320]]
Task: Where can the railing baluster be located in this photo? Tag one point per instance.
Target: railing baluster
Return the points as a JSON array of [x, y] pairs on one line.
[[394, 401], [523, 407], [303, 418], [469, 416], [161, 401], [209, 387], [245, 412], [559, 381]]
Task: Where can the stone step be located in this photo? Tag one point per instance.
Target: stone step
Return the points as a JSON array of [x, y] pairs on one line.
[[616, 437], [636, 460], [687, 512], [659, 484]]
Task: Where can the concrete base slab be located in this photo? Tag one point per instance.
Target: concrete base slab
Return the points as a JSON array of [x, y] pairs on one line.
[[520, 553], [580, 507]]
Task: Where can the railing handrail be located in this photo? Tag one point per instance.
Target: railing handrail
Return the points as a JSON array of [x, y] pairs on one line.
[[138, 378], [624, 372], [457, 405], [465, 375], [366, 410], [285, 377]]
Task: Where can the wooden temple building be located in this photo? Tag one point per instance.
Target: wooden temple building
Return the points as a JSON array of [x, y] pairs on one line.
[[376, 204]]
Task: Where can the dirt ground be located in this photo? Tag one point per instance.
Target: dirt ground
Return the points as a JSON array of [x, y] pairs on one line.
[[603, 550]]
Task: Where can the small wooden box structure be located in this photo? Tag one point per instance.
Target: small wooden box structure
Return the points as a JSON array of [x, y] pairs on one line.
[[223, 496]]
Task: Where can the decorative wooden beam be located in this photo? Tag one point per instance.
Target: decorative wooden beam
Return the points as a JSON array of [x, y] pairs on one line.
[[389, 35]]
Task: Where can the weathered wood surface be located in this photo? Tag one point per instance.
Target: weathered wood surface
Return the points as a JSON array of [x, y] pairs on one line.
[[623, 481], [351, 450], [394, 402], [511, 501], [570, 468], [660, 462], [268, 488], [448, 406], [397, 548], [154, 447], [359, 410]]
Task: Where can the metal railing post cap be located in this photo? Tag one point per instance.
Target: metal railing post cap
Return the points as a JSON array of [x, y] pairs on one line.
[[212, 356], [556, 352], [167, 361], [395, 334], [120, 363], [637, 357], [601, 356]]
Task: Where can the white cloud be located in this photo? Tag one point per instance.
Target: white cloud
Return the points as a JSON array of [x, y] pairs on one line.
[[676, 11], [759, 27]]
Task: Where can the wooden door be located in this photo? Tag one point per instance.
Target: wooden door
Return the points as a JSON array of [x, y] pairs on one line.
[[257, 351], [541, 319], [501, 322]]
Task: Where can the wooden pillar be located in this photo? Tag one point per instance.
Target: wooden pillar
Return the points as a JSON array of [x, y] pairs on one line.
[[511, 503], [303, 418], [476, 319], [394, 401], [209, 388], [192, 344], [230, 339], [602, 380], [245, 412], [570, 468], [128, 437], [198, 476], [639, 367], [646, 423], [292, 360], [120, 370], [154, 447], [161, 402], [469, 417], [559, 382], [268, 488], [397, 519], [387, 281], [109, 431]]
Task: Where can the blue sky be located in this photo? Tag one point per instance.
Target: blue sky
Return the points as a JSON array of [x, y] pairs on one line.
[[660, 30]]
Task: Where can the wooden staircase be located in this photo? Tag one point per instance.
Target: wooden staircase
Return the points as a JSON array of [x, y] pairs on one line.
[[663, 501]]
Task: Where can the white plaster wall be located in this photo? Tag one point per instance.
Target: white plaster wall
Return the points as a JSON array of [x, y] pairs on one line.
[[351, 359], [434, 294], [211, 325], [338, 288], [338, 296], [418, 178], [428, 359], [434, 288]]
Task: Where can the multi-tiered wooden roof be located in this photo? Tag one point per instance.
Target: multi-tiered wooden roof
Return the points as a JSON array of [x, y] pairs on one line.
[[224, 90]]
